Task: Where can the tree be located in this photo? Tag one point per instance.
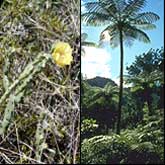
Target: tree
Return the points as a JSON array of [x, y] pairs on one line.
[[102, 103], [1, 1], [84, 36], [146, 76], [108, 93], [125, 24], [147, 62], [144, 84]]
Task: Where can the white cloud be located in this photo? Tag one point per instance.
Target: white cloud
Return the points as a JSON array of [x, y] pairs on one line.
[[117, 80], [106, 36], [83, 9], [95, 62]]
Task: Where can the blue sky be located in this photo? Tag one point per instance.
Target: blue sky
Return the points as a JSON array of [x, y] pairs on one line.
[[110, 67]]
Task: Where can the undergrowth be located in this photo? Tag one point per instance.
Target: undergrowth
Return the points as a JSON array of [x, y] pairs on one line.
[[42, 123]]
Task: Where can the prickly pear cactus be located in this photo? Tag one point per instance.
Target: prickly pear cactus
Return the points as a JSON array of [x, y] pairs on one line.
[[39, 101], [16, 90]]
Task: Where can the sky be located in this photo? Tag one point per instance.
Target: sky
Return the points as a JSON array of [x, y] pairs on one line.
[[105, 62]]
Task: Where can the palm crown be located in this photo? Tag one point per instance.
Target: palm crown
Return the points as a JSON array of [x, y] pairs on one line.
[[120, 15]]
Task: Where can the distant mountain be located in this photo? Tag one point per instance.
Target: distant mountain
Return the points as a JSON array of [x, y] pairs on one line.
[[100, 81]]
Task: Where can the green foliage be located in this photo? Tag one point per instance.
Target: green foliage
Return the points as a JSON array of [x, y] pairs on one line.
[[100, 104], [143, 153], [147, 62], [100, 96], [88, 125], [143, 141], [124, 24], [142, 145], [88, 128], [146, 78], [103, 150], [104, 97]]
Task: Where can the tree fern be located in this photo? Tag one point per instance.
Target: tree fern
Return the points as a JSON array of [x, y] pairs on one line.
[[124, 24]]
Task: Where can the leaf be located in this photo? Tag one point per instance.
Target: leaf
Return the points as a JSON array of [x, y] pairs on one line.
[[6, 82], [9, 110]]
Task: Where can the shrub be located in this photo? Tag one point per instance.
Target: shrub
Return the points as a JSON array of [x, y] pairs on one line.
[[103, 150], [143, 153], [143, 145]]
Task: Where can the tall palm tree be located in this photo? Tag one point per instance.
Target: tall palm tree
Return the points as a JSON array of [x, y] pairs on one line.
[[125, 24]]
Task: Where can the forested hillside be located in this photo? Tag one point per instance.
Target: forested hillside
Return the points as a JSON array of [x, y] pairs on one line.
[[141, 139], [100, 82], [39, 81]]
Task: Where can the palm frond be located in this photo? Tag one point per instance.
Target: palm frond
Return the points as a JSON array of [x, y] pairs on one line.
[[113, 33], [110, 28], [115, 41], [134, 33], [95, 18], [141, 36], [109, 5], [110, 88], [120, 5], [102, 35], [99, 13], [129, 41], [86, 43], [144, 26], [144, 78], [147, 17], [133, 6], [95, 7], [116, 12], [84, 36], [112, 9]]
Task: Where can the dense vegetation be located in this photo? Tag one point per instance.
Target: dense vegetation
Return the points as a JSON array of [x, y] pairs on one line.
[[142, 120], [124, 124], [39, 101]]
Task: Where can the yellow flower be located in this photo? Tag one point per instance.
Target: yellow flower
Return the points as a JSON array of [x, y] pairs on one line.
[[62, 54]]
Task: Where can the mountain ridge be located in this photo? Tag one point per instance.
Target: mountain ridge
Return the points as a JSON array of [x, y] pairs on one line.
[[100, 81]]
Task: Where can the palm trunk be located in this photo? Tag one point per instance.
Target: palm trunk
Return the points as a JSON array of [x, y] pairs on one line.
[[149, 101], [149, 107], [121, 83]]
